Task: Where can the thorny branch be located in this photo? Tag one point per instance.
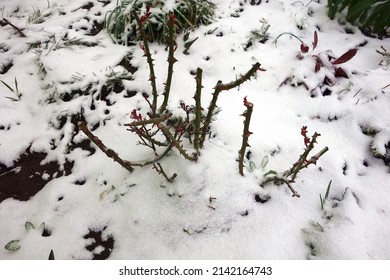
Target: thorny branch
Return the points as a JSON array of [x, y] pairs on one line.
[[110, 153], [288, 177]]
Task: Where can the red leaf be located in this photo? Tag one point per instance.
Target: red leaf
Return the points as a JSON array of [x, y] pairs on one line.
[[304, 48], [318, 66], [340, 73], [136, 116], [245, 101], [315, 40], [144, 17], [304, 131], [172, 17], [180, 129], [345, 57]]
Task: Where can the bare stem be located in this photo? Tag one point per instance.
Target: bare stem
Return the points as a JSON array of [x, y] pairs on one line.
[[110, 153], [213, 104], [149, 121], [280, 180], [295, 193], [302, 161], [161, 171], [150, 62], [175, 142], [220, 87], [288, 177], [198, 108], [287, 33], [171, 61], [241, 79], [241, 154]]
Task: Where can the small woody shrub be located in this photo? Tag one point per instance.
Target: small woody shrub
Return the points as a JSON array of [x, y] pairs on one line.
[[159, 129]]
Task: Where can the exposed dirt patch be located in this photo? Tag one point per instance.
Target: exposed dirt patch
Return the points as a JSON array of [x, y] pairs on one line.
[[27, 176], [126, 63], [96, 28], [262, 198], [5, 67], [100, 247]]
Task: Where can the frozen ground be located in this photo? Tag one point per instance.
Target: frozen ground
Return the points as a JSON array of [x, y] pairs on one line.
[[91, 207]]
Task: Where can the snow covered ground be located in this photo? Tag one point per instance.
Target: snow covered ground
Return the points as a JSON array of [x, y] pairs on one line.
[[91, 207]]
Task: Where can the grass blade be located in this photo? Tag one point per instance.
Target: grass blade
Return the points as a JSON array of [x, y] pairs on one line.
[[16, 85], [327, 190], [357, 7], [10, 88]]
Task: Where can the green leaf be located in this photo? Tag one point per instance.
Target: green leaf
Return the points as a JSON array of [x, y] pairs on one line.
[[51, 255], [211, 31], [13, 245], [28, 226], [357, 7], [344, 4], [252, 166], [271, 173], [378, 17], [264, 162], [188, 44], [41, 228], [316, 226], [186, 36]]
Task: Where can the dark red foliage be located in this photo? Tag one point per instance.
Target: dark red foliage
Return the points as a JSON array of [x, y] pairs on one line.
[[315, 42], [144, 17], [318, 65], [345, 57], [185, 107], [135, 116], [180, 129], [172, 18], [304, 130], [245, 101], [340, 73], [304, 48], [306, 139]]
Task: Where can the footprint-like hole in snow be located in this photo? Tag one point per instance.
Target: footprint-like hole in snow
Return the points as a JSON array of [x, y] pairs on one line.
[[262, 198]]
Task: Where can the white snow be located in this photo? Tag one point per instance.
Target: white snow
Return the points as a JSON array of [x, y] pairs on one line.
[[210, 211]]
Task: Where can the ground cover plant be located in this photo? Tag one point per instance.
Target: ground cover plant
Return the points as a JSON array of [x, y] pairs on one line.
[[116, 143], [325, 61], [370, 15], [121, 23]]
